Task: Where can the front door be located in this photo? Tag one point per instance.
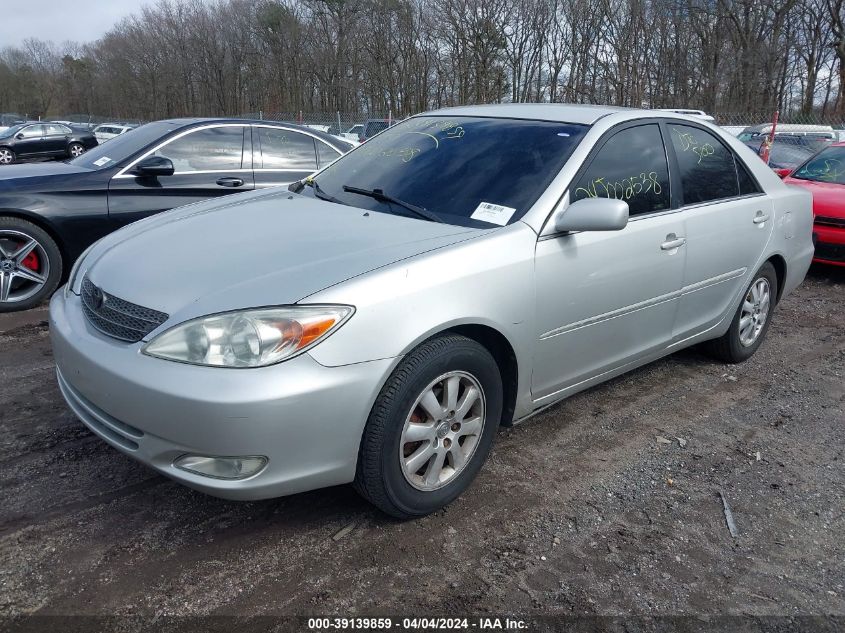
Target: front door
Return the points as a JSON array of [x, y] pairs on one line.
[[209, 162], [30, 141], [605, 299]]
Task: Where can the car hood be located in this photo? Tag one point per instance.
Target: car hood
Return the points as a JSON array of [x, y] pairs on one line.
[[251, 250], [828, 197], [24, 174]]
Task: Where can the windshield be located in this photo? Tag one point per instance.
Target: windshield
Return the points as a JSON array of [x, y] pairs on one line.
[[471, 171], [11, 131], [122, 147], [826, 166]]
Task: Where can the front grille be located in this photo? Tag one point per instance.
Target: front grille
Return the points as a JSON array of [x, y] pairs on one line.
[[839, 222], [118, 318], [830, 252]]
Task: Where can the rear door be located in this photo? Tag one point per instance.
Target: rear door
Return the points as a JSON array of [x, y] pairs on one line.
[[209, 162], [56, 139], [728, 224], [282, 155]]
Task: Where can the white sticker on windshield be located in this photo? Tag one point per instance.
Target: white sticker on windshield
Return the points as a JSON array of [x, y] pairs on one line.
[[102, 161], [493, 213]]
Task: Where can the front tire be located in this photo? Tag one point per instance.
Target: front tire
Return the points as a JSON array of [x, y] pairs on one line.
[[751, 321], [30, 265], [431, 427], [75, 149], [7, 156]]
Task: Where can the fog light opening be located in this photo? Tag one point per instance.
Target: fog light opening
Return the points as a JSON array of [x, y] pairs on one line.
[[232, 468]]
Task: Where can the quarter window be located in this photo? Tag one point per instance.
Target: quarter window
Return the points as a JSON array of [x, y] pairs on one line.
[[630, 166], [707, 167], [211, 149], [326, 154], [284, 149]]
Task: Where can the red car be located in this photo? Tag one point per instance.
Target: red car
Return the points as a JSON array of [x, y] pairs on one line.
[[824, 176]]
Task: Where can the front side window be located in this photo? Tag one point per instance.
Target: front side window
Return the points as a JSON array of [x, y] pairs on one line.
[[826, 166], [707, 167], [470, 171], [209, 149], [33, 131], [285, 149], [630, 166]]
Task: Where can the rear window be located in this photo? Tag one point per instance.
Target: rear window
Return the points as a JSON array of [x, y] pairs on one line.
[[473, 171]]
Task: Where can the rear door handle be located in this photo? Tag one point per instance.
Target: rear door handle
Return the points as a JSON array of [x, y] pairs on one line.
[[673, 242], [760, 217], [230, 182]]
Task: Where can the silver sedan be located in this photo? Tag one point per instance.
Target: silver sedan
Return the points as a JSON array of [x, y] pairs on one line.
[[379, 321]]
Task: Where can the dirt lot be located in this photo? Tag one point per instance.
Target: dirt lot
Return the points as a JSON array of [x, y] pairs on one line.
[[579, 510]]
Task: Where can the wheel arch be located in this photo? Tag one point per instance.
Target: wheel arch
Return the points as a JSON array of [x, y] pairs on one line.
[[503, 353], [45, 226], [779, 264]]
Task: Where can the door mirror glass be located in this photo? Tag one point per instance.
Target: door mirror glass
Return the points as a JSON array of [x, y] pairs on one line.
[[593, 214], [153, 166]]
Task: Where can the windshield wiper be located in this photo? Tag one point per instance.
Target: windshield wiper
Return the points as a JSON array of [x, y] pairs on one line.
[[378, 194], [318, 191]]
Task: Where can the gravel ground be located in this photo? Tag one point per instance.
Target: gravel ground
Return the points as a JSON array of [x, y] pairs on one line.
[[605, 504]]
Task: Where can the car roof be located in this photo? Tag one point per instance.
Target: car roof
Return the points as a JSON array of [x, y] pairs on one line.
[[324, 136], [563, 112]]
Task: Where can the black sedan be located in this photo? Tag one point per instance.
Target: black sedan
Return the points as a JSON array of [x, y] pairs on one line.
[[43, 140], [51, 212]]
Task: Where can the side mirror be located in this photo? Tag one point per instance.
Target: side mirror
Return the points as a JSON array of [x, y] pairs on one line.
[[19, 135], [153, 166], [783, 173], [593, 214]]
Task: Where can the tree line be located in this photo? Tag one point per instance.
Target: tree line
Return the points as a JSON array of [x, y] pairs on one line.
[[226, 57]]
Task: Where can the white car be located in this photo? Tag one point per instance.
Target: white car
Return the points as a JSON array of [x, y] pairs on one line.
[[699, 114], [108, 131], [353, 133]]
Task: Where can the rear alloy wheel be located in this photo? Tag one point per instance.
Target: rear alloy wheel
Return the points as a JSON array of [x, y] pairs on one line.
[[30, 265], [75, 149], [7, 156], [751, 320], [431, 427]]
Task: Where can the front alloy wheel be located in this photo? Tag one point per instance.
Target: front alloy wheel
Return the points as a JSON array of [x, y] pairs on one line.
[[30, 265], [7, 156], [442, 430], [431, 427]]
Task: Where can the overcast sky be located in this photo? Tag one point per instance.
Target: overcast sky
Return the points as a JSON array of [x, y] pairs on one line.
[[60, 20]]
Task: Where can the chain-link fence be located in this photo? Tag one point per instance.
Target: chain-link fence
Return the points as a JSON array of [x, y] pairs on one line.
[[343, 122]]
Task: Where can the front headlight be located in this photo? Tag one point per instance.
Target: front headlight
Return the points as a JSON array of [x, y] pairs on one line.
[[248, 338]]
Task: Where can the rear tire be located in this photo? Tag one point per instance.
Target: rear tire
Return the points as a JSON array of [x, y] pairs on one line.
[[431, 427], [30, 265], [7, 156], [75, 149], [751, 321]]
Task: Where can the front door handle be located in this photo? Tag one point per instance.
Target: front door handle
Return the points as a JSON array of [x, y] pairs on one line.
[[230, 182], [672, 242], [760, 217]]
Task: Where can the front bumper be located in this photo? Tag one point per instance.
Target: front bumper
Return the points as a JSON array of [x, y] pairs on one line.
[[830, 244], [306, 418]]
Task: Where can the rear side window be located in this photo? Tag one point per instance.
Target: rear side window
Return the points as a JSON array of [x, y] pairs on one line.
[[284, 149], [630, 166], [707, 167]]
